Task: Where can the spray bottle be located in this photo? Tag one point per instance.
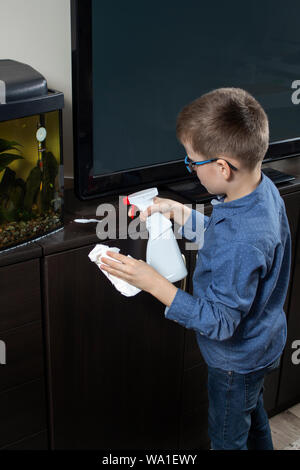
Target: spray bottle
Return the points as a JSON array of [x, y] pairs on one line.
[[163, 252]]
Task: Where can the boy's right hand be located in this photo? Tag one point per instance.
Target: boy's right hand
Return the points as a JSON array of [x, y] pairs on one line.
[[169, 208]]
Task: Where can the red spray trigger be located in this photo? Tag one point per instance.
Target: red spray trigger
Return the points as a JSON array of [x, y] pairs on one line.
[[127, 203]]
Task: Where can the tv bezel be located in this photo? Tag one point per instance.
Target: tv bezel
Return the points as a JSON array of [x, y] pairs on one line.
[[88, 186]]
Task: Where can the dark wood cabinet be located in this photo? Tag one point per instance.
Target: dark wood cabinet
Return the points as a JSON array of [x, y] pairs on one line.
[[24, 355], [37, 441], [289, 388], [271, 398], [194, 404], [115, 362], [194, 409], [20, 294], [23, 411]]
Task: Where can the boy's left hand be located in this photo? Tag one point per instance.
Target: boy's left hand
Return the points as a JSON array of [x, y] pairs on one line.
[[136, 272]]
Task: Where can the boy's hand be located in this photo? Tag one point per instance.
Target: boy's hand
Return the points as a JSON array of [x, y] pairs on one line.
[[136, 272], [169, 208]]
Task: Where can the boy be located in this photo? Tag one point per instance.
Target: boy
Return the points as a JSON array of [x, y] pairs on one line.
[[242, 270]]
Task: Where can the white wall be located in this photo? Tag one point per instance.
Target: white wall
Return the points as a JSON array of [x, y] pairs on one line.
[[38, 33]]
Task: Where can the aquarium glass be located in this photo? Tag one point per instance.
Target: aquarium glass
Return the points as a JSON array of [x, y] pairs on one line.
[[31, 178]]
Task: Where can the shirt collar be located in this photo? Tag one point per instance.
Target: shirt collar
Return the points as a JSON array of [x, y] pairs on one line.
[[223, 209]]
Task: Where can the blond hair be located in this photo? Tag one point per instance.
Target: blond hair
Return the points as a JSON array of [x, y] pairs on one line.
[[225, 121]]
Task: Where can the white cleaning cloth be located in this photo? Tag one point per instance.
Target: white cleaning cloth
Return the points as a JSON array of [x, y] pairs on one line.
[[123, 286]]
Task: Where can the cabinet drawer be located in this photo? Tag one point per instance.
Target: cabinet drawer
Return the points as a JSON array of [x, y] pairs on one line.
[[20, 294], [36, 442], [22, 412], [24, 355]]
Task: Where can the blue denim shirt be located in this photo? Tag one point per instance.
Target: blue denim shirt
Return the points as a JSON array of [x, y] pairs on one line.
[[240, 281]]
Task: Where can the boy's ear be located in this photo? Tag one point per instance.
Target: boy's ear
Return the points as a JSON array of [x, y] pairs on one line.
[[224, 168]]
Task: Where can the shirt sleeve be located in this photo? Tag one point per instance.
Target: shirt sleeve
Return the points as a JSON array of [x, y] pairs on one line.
[[194, 226], [236, 272]]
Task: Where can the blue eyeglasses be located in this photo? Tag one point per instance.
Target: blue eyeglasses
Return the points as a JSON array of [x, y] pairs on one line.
[[190, 164]]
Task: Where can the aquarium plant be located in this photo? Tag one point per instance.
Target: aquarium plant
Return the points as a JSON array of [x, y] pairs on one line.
[[12, 189], [26, 207]]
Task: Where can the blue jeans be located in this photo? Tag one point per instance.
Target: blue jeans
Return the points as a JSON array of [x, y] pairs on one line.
[[236, 416]]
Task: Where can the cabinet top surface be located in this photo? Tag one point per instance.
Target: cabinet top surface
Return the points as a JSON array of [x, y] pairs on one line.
[[75, 235]]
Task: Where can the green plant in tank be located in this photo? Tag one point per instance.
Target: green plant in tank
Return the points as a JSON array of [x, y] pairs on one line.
[[12, 190], [26, 200], [7, 158], [32, 187], [50, 170]]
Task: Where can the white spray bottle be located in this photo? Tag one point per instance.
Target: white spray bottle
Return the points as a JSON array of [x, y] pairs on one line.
[[163, 252]]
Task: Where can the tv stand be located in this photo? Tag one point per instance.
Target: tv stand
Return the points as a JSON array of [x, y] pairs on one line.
[[190, 189], [277, 176], [193, 190]]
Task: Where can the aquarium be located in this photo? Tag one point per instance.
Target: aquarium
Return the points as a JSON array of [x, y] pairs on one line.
[[31, 170]]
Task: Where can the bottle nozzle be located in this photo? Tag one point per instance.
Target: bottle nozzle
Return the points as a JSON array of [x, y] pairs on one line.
[[143, 199], [127, 203]]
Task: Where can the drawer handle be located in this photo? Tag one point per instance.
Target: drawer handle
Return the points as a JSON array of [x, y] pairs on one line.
[[183, 281]]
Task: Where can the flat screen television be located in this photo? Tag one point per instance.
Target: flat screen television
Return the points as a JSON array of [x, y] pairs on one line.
[[137, 63]]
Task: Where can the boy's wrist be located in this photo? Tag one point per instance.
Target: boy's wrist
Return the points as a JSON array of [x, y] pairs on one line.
[[163, 290]]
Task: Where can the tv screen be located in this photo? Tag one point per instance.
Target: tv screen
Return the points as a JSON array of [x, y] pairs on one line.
[[136, 64]]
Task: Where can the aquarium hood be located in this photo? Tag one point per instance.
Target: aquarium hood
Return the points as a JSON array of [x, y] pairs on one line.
[[24, 91], [20, 81]]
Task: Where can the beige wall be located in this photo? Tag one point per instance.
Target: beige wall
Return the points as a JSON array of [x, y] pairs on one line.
[[38, 32]]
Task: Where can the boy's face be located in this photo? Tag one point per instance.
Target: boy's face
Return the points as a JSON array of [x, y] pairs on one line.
[[211, 175], [208, 174]]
